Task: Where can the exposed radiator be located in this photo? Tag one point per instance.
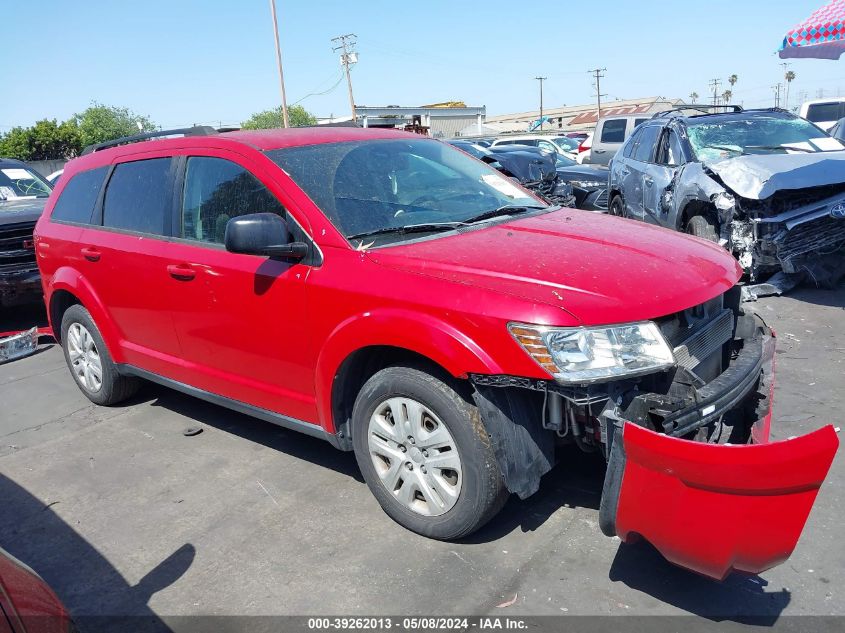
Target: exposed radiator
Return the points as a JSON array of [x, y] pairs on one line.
[[706, 341]]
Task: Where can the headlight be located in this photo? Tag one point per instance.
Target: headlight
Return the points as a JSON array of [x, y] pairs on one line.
[[582, 355], [588, 184]]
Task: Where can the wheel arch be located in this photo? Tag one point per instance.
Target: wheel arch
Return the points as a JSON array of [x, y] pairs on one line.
[[696, 207], [364, 344], [68, 287]]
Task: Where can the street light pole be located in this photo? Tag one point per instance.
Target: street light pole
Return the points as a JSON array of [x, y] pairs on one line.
[[285, 118], [541, 80]]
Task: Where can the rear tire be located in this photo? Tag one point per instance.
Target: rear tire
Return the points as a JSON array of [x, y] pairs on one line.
[[425, 454], [703, 227], [617, 206], [89, 360]]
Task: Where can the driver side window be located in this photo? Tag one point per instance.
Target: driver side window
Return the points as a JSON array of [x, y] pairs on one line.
[[217, 190]]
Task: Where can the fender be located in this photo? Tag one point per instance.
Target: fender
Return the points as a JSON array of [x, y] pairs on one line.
[[405, 329], [71, 280]]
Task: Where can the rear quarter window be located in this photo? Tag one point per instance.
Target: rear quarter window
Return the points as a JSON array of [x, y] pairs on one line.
[[77, 199], [138, 197]]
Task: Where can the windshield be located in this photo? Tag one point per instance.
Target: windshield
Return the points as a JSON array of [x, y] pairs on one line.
[[384, 185], [20, 182], [770, 133], [567, 144]]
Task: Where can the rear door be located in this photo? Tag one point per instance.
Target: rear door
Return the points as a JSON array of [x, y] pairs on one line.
[[241, 319], [659, 175], [638, 163], [124, 258]]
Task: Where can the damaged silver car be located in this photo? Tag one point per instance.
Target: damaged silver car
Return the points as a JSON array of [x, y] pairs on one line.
[[766, 184]]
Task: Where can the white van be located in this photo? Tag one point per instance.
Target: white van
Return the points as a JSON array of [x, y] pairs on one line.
[[823, 112]]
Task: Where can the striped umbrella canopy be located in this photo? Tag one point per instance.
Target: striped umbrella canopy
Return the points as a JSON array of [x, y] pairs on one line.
[[821, 36]]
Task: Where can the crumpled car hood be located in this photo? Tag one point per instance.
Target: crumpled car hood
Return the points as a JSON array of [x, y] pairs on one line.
[[601, 269], [759, 176]]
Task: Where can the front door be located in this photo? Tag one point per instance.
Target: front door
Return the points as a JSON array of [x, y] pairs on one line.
[[658, 177], [241, 320]]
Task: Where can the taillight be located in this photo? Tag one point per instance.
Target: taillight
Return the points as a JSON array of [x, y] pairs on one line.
[[582, 147]]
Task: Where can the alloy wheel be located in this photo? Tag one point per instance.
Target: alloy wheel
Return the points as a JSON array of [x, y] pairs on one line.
[[84, 358]]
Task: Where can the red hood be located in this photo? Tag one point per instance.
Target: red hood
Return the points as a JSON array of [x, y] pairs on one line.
[[599, 268]]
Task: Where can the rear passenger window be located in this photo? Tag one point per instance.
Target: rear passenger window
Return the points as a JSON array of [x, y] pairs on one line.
[[77, 200], [613, 131], [138, 197], [217, 190], [632, 143], [648, 140]]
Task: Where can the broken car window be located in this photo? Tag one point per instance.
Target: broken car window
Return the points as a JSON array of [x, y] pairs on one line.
[[727, 136]]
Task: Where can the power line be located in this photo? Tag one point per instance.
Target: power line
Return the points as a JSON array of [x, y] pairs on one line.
[[347, 57], [597, 73], [541, 80]]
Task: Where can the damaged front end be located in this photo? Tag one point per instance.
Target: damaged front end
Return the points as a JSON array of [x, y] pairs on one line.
[[690, 466], [797, 232], [772, 221]]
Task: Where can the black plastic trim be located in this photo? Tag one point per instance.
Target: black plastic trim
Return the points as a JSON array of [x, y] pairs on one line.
[[338, 441]]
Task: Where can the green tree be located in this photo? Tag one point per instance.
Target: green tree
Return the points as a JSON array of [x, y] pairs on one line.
[[50, 140], [100, 123], [267, 119], [727, 95], [16, 143]]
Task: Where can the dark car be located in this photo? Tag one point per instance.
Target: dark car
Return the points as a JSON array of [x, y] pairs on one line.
[[532, 167], [766, 184], [23, 194]]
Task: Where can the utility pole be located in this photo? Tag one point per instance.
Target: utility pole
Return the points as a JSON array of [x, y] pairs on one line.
[[541, 80], [597, 73], [776, 88], [285, 119], [714, 84], [347, 58]]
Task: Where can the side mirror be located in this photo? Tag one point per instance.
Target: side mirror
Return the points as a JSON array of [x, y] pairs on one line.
[[262, 234]]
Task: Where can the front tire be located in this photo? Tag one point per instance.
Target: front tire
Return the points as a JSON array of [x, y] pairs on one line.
[[425, 454], [703, 227], [617, 206], [89, 361]]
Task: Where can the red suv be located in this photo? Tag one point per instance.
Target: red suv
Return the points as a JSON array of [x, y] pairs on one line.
[[398, 298]]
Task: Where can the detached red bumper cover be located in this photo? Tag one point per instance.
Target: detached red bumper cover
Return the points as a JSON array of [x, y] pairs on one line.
[[714, 508]]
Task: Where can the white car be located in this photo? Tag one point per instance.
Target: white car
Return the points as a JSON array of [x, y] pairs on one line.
[[563, 145], [584, 149], [823, 112], [54, 177]]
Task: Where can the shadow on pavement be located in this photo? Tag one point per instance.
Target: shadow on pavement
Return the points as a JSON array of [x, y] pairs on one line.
[[739, 598], [95, 593], [576, 481], [292, 443]]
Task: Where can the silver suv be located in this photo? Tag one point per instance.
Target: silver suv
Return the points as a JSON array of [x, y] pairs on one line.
[[610, 133]]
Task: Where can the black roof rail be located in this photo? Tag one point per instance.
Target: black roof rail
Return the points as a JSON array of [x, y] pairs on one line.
[[701, 107], [197, 130]]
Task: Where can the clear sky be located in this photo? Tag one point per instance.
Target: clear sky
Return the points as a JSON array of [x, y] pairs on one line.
[[210, 61]]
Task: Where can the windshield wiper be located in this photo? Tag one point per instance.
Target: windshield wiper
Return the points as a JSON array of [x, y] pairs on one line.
[[410, 228], [783, 147], [508, 209]]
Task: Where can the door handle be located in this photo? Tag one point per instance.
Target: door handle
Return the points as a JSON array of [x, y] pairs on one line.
[[91, 254], [181, 272], [648, 181], [599, 151]]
